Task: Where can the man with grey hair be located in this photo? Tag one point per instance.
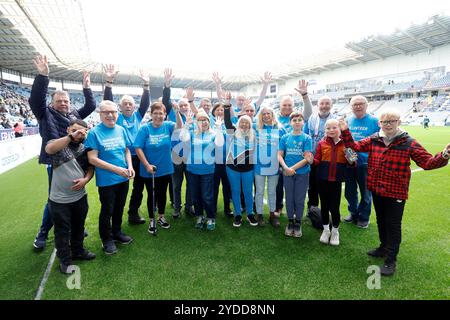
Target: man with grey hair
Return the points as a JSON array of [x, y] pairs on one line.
[[130, 119], [53, 121], [315, 128], [361, 125]]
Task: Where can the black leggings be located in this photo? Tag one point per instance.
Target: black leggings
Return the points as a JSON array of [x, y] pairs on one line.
[[330, 200], [161, 184]]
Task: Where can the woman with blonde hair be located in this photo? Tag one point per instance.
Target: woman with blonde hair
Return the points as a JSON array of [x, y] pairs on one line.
[[268, 135], [240, 162]]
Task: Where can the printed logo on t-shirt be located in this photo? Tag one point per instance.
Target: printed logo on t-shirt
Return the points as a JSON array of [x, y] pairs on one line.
[[113, 144]]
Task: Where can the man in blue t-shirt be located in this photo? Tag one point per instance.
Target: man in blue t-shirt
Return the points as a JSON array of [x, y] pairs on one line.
[[361, 125], [130, 119], [108, 150]]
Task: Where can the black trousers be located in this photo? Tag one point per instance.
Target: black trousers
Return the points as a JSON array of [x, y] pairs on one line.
[[112, 199], [68, 219], [138, 188], [280, 193], [220, 174], [330, 200], [389, 214], [161, 184], [313, 190]]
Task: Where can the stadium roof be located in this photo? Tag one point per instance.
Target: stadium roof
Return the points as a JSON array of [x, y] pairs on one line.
[[56, 28]]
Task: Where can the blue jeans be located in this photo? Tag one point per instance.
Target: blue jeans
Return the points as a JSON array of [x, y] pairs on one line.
[[357, 177], [296, 188], [202, 192], [236, 178], [47, 222]]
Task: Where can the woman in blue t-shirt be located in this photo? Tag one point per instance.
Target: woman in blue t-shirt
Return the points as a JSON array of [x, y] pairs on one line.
[[201, 163], [295, 158], [108, 148], [268, 135], [153, 146]]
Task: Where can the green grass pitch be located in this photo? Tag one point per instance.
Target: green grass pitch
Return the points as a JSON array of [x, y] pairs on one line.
[[230, 263]]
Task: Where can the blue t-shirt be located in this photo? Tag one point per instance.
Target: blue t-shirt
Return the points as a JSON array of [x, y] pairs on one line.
[[286, 123], [156, 143], [201, 159], [131, 126], [294, 147], [267, 141], [360, 129], [111, 144]]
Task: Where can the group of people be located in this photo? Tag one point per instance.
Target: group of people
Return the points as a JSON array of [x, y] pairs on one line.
[[240, 147]]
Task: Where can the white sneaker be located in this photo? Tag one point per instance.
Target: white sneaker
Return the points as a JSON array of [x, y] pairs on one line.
[[325, 237], [334, 241]]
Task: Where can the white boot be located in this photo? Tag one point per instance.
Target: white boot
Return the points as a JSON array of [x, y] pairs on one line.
[[325, 237], [334, 241]]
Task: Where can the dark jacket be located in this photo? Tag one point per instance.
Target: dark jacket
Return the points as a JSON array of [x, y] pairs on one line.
[[53, 124]]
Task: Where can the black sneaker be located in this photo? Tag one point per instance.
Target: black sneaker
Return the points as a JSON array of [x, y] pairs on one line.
[[83, 255], [237, 221], [363, 224], [189, 211], [252, 220], [40, 241], [65, 268], [135, 218], [229, 214], [388, 269], [260, 219], [351, 219], [176, 214], [152, 227], [163, 223], [377, 253], [109, 247], [122, 238]]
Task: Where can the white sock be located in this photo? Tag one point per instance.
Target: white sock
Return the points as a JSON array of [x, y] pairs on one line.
[[326, 227], [335, 229]]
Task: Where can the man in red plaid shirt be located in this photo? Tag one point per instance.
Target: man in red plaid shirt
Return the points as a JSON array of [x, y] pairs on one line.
[[390, 153]]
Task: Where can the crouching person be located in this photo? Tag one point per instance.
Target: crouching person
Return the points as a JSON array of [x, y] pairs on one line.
[[68, 198], [390, 151]]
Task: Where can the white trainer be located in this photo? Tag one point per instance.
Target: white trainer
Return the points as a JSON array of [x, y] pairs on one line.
[[325, 237], [334, 240]]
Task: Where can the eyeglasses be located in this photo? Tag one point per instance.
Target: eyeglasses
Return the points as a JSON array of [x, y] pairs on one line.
[[297, 120], [386, 122], [108, 112], [358, 104], [202, 120]]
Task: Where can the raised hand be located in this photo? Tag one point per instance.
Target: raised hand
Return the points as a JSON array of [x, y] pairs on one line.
[[144, 76], [168, 77], [228, 97], [190, 95], [248, 101], [302, 87], [267, 78], [216, 78], [218, 123], [41, 64], [189, 118], [343, 124], [86, 79], [110, 72]]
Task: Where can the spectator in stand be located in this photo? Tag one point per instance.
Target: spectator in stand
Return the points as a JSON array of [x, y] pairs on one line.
[[362, 125], [18, 129], [130, 120], [53, 121], [389, 175]]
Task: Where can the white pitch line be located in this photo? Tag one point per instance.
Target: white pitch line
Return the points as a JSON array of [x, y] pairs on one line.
[[46, 275]]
